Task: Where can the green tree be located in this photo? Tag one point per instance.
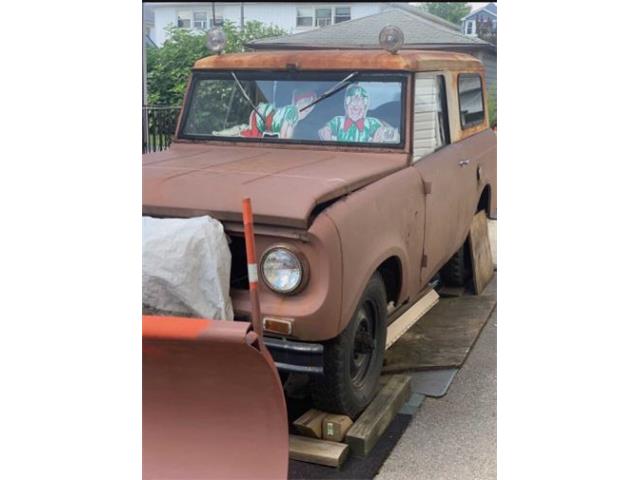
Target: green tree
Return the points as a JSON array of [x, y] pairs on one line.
[[451, 11], [486, 31], [169, 66]]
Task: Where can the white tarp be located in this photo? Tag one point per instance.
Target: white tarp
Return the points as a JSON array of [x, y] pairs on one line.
[[186, 266]]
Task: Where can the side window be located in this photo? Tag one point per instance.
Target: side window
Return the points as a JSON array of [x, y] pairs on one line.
[[184, 19], [342, 14], [200, 20], [470, 99], [304, 17], [430, 121], [323, 17]]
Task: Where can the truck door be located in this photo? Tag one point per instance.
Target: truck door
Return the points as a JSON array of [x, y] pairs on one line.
[[444, 169], [477, 144]]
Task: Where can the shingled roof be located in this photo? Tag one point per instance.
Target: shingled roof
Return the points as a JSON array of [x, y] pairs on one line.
[[419, 28], [421, 12]]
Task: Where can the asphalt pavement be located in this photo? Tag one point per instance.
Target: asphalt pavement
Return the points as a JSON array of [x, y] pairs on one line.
[[454, 437]]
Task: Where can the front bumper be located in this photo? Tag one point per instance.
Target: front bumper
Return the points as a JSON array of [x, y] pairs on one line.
[[299, 357]]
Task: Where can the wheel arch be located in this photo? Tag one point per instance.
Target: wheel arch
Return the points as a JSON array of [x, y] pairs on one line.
[[392, 266], [381, 228], [484, 202], [391, 272]]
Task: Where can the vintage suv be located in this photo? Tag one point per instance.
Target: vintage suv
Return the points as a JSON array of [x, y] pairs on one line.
[[364, 168]]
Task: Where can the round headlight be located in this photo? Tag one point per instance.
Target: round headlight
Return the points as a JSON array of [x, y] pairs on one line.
[[282, 270]]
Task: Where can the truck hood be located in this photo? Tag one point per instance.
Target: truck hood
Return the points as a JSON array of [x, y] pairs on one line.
[[284, 184]]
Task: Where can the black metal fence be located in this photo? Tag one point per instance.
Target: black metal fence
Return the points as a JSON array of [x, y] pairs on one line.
[[158, 125]]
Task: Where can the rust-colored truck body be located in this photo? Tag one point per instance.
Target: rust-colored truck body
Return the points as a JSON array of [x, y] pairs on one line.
[[349, 211]]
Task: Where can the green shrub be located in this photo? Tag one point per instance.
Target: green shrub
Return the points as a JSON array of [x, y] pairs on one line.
[[493, 107], [169, 66]]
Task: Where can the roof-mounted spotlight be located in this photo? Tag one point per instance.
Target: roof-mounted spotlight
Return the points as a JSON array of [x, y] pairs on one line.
[[391, 38], [216, 39]]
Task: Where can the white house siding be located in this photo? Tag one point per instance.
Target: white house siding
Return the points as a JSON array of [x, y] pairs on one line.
[[164, 16], [490, 67], [359, 10], [489, 60], [424, 125], [279, 14], [282, 15]]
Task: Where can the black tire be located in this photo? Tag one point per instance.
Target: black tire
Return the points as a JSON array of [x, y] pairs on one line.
[[455, 271], [353, 360]]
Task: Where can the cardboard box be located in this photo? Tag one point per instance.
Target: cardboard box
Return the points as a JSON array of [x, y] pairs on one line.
[[335, 427], [310, 424]]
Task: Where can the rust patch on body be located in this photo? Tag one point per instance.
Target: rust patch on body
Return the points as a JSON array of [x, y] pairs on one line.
[[405, 60]]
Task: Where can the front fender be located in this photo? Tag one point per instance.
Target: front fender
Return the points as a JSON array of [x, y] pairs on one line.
[[316, 309], [382, 220]]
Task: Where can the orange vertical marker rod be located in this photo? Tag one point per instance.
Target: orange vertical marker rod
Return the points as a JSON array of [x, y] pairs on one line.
[[252, 266]]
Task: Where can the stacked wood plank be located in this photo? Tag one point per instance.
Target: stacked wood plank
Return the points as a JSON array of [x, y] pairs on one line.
[[360, 437], [323, 452], [373, 422]]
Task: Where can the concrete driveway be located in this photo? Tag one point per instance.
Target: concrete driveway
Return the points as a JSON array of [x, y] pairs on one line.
[[454, 437]]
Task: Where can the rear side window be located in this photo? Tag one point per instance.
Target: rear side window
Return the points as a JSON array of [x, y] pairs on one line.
[[470, 99]]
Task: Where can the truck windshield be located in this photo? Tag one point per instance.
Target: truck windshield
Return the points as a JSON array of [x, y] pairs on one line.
[[367, 108]]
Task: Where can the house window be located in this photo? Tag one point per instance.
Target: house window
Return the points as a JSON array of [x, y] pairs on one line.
[[469, 27], [471, 100], [304, 17], [219, 21], [184, 19], [200, 20], [342, 14], [323, 17]]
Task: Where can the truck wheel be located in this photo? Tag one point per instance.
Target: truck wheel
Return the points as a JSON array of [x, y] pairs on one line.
[[353, 360], [455, 271]]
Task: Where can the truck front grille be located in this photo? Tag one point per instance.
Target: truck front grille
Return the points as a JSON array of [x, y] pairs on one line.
[[239, 278]]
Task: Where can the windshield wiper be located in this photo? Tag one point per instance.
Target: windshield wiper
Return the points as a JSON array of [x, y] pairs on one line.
[[335, 89], [244, 93]]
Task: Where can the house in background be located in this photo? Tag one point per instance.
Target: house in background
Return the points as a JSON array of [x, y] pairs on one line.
[[292, 16], [148, 26], [421, 31], [482, 22]]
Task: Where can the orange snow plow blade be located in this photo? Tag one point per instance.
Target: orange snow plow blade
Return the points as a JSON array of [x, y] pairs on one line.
[[213, 404]]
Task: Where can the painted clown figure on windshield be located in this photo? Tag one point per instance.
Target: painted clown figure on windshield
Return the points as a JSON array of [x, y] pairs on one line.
[[279, 122], [355, 126]]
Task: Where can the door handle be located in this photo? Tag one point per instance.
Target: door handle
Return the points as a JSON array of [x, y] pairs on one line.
[[462, 163]]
